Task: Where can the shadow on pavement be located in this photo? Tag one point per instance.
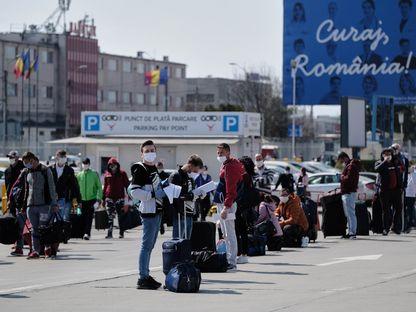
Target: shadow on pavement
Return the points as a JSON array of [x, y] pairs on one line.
[[6, 263], [14, 296], [74, 257], [283, 263], [219, 291], [382, 240], [272, 273], [210, 281]]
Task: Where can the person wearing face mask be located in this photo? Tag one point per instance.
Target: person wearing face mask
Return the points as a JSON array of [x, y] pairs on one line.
[[66, 184], [91, 194], [293, 220], [349, 185], [286, 180], [167, 214], [41, 200], [203, 205], [391, 184], [410, 220], [116, 183], [231, 175], [185, 178], [13, 171], [264, 176], [146, 187]]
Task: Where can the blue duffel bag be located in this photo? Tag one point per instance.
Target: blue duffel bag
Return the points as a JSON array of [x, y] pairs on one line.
[[183, 278]]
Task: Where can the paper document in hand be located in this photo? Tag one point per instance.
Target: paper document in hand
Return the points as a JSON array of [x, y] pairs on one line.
[[206, 188], [172, 191]]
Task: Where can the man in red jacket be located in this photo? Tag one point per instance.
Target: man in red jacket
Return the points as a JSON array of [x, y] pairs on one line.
[[349, 185], [231, 174], [116, 183]]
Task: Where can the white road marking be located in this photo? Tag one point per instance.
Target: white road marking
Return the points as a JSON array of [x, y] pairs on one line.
[[350, 259], [72, 282]]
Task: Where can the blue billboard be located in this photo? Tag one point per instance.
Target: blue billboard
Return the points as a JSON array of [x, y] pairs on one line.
[[359, 48]]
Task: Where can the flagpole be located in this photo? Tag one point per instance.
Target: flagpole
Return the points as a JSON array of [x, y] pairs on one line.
[[21, 116], [29, 123], [37, 111], [166, 91]]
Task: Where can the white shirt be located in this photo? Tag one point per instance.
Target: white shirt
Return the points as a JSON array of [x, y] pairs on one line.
[[59, 171], [411, 185]]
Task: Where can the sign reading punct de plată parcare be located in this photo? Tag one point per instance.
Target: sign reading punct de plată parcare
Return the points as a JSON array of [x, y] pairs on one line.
[[171, 123]]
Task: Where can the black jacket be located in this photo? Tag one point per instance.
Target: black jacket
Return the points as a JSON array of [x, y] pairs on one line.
[[67, 185], [383, 168], [12, 173], [182, 179], [287, 181]]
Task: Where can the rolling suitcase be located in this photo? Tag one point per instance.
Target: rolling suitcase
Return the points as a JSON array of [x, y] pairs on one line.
[[101, 219], [176, 250], [334, 222], [203, 236], [9, 229], [363, 219], [311, 212], [256, 245], [377, 216]]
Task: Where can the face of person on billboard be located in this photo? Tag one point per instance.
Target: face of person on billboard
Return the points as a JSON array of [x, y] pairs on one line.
[[332, 10], [405, 47], [405, 8], [369, 84], [368, 9], [367, 47], [407, 85], [298, 13], [299, 46], [331, 49], [335, 84]]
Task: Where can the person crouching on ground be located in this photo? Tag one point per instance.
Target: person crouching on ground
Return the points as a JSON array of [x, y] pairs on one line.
[[293, 220]]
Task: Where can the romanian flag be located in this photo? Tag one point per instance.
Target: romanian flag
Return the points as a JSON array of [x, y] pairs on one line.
[[164, 76], [33, 67], [147, 78], [18, 67], [26, 65], [155, 78]]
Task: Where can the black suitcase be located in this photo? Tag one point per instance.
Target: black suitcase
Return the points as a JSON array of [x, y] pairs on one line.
[[101, 219], [203, 236], [363, 219], [311, 212], [9, 229], [176, 250], [77, 225], [377, 215], [130, 219], [334, 222], [256, 245], [210, 261]]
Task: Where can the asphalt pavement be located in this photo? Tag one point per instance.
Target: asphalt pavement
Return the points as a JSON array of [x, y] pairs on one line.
[[373, 273]]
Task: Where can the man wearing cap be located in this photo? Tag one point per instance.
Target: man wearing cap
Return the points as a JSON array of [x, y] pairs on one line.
[[91, 194], [13, 171]]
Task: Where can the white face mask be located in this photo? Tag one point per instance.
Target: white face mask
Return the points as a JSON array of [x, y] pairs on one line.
[[221, 159], [193, 175], [284, 199], [259, 163], [149, 157], [85, 166], [12, 161], [62, 161]]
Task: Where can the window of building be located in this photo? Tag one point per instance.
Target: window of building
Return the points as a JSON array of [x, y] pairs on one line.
[[12, 89], [183, 73], [46, 57], [32, 90], [10, 52], [127, 66], [112, 97], [100, 63], [41, 133], [47, 92], [153, 99], [140, 99], [178, 102], [99, 95], [140, 68], [126, 97], [178, 72], [151, 67], [112, 65]]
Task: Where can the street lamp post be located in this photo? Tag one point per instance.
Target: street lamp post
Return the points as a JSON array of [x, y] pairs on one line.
[[293, 65], [401, 121]]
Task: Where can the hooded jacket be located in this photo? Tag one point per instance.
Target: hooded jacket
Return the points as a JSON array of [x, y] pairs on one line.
[[231, 174], [115, 183], [384, 168], [350, 176], [292, 213]]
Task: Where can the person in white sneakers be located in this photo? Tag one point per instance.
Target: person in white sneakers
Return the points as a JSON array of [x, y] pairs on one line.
[[231, 174]]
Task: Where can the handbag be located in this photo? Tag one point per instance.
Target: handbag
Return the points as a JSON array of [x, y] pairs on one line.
[[266, 227], [53, 231], [130, 219]]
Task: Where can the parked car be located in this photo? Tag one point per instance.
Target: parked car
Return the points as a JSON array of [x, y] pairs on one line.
[[369, 175], [322, 183], [318, 166], [299, 167]]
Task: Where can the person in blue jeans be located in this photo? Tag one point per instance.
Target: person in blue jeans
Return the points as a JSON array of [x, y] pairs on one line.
[[185, 178], [349, 185], [146, 187]]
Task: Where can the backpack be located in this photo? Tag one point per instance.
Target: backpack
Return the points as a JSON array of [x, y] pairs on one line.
[[183, 278], [247, 195], [18, 194]]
